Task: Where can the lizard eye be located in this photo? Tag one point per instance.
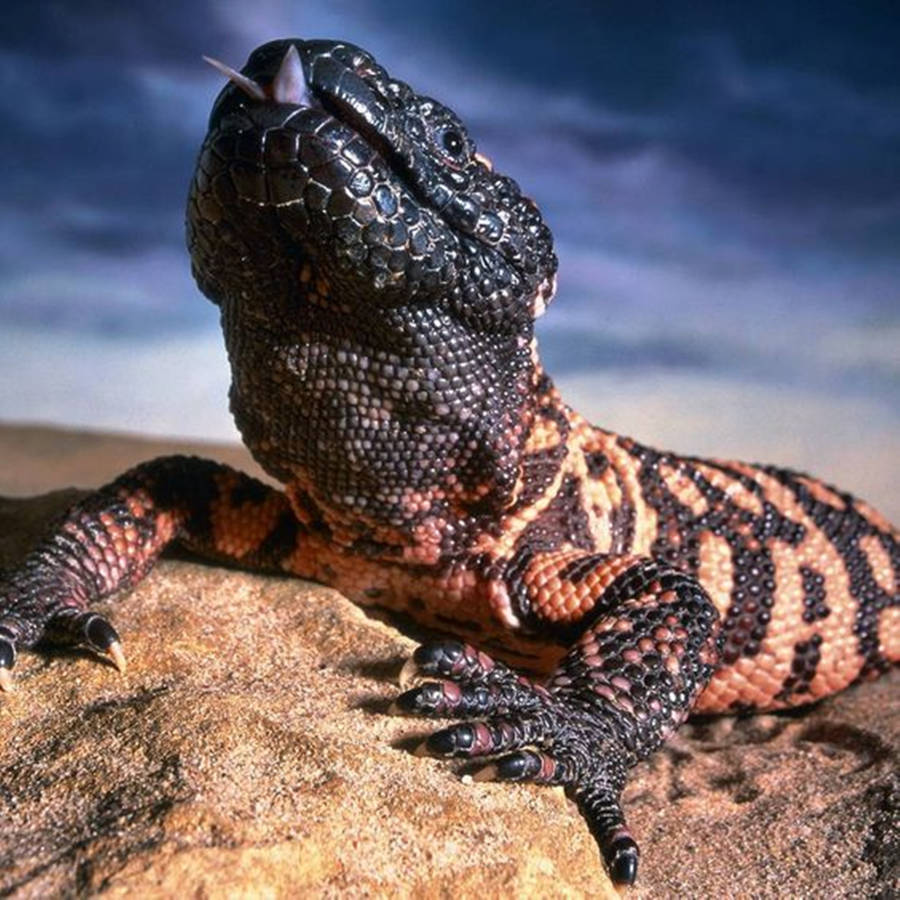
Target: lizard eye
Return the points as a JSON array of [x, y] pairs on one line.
[[451, 142]]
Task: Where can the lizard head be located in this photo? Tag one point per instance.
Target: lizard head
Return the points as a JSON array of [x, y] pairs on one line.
[[378, 190], [377, 280]]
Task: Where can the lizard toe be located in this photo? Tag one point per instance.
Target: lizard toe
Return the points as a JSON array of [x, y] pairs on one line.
[[524, 765], [481, 738], [600, 804], [7, 659], [453, 700], [86, 628], [457, 661]]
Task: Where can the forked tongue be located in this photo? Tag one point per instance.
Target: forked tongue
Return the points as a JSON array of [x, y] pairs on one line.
[[288, 86]]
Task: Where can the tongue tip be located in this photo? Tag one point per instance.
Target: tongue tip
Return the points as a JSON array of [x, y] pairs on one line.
[[248, 85], [289, 84]]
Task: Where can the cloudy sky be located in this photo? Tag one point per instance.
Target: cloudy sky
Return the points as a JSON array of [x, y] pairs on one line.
[[722, 180]]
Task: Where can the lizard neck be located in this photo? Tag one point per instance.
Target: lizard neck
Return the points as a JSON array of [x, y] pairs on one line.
[[408, 430]]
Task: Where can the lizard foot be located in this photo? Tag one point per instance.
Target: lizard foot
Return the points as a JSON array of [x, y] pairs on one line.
[[87, 629], [29, 614], [547, 736]]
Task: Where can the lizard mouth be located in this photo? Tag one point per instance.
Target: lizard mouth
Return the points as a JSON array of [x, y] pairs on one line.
[[318, 81], [338, 90]]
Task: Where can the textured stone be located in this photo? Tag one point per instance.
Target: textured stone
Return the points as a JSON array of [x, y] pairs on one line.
[[247, 752]]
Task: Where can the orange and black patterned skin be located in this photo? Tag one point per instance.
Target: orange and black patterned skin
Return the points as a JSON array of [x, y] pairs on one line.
[[378, 283]]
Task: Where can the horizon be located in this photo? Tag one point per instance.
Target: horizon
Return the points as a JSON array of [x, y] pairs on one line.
[[721, 184]]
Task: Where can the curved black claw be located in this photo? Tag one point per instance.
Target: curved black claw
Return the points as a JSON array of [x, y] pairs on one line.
[[73, 626], [99, 634], [7, 658]]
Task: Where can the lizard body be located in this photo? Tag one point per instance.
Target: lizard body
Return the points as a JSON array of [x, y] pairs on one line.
[[378, 283]]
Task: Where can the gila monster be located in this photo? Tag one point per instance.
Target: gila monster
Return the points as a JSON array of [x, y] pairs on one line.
[[378, 283]]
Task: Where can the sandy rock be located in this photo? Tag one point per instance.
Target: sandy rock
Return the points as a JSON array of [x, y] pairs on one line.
[[247, 753]]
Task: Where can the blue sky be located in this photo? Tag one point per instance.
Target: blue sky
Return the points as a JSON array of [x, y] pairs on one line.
[[722, 180]]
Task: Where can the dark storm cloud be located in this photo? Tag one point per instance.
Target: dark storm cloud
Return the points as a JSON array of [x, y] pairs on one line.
[[744, 153], [84, 144], [102, 117], [115, 31]]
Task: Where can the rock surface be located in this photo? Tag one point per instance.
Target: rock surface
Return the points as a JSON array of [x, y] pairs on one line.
[[247, 753]]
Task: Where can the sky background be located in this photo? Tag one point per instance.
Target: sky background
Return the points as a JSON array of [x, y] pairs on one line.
[[723, 181]]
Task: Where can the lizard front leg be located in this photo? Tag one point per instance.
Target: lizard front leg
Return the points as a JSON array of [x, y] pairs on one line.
[[110, 540], [646, 649]]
